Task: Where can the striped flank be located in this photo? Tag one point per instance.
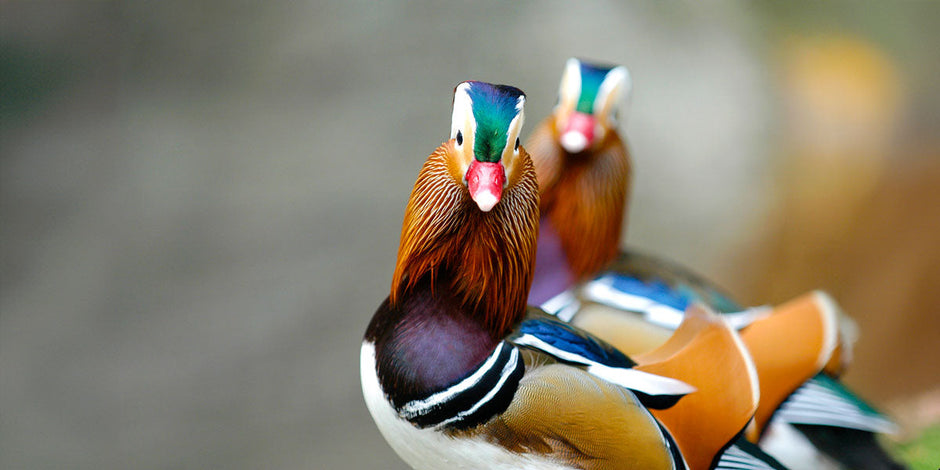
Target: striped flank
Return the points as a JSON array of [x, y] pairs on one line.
[[820, 402], [746, 456]]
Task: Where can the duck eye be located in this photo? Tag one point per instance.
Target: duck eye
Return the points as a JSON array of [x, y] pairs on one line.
[[517, 144], [459, 138]]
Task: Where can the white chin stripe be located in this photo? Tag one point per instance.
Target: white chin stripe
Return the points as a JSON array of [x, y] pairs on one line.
[[485, 200], [573, 141]]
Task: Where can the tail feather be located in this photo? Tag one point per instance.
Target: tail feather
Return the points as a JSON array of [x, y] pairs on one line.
[[743, 455], [853, 448], [824, 401]]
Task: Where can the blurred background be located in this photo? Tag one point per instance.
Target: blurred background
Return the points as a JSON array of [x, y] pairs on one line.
[[200, 203]]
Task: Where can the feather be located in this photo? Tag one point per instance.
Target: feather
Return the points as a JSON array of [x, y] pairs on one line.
[[706, 353], [489, 257], [584, 197]]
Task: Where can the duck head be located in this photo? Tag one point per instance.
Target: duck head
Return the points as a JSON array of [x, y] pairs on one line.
[[589, 101], [484, 134], [472, 220]]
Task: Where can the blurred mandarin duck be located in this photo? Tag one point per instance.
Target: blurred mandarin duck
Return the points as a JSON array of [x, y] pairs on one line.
[[459, 373], [583, 167]]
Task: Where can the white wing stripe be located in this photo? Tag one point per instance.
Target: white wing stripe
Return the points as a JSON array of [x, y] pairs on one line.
[[645, 382], [602, 291]]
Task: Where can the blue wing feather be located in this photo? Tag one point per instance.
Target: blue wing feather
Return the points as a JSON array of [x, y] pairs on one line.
[[569, 339], [667, 283], [654, 289]]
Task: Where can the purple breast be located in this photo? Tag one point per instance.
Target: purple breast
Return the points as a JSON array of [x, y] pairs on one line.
[[552, 275]]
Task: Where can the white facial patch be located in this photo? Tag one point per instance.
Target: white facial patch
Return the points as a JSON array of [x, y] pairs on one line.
[[462, 117], [616, 88], [570, 88], [515, 128]]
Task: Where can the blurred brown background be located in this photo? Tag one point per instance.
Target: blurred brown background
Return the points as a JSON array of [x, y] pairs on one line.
[[200, 203]]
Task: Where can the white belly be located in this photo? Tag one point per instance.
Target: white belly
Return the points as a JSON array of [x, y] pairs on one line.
[[429, 449]]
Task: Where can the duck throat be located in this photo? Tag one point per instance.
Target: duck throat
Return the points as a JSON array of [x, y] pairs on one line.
[[586, 206], [485, 260], [552, 275], [427, 343], [459, 287]]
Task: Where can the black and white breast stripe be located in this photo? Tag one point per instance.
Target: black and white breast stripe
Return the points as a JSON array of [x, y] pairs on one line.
[[473, 400]]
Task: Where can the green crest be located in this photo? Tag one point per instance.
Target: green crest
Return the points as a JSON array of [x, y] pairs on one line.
[[494, 108]]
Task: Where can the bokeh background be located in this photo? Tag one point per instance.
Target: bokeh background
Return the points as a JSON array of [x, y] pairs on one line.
[[200, 202]]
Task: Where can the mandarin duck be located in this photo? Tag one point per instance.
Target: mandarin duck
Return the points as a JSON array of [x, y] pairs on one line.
[[634, 301], [459, 373]]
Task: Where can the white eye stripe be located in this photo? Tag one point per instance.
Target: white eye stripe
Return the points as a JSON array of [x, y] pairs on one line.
[[616, 86], [462, 117], [570, 88], [515, 128]]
